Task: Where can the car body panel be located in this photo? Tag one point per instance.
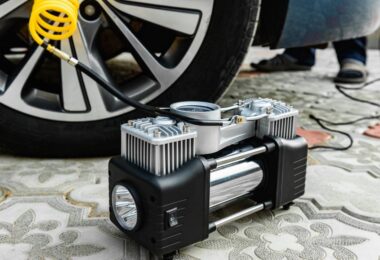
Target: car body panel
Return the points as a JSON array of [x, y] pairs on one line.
[[295, 23]]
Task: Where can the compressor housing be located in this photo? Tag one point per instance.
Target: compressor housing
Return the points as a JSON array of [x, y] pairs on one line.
[[171, 174]]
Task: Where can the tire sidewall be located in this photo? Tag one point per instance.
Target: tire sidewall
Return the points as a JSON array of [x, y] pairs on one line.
[[215, 65]]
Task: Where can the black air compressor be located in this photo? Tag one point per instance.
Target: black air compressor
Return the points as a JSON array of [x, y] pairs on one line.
[[171, 174]]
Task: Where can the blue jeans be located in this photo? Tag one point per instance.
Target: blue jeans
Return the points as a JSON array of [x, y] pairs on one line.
[[349, 49]]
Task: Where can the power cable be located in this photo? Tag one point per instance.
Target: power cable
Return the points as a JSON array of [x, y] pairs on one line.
[[321, 121]]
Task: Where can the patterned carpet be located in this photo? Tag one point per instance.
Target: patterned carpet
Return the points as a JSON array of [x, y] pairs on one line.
[[57, 209]]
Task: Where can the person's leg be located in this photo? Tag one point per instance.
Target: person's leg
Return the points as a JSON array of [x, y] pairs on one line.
[[295, 59], [355, 49], [352, 57], [304, 56]]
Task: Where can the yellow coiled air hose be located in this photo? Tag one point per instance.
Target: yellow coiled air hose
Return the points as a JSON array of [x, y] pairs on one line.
[[53, 20]]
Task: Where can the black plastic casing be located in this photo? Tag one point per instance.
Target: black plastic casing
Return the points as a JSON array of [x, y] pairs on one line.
[[186, 190], [284, 166]]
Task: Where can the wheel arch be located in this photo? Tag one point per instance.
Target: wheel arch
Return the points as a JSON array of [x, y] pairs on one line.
[[269, 29]]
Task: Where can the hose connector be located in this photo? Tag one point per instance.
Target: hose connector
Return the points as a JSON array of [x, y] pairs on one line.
[[60, 54]]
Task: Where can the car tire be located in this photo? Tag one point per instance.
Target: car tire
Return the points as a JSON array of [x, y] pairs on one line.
[[211, 72]]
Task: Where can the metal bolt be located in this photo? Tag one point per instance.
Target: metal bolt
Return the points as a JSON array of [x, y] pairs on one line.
[[186, 129], [90, 10], [157, 133], [269, 110], [240, 120]]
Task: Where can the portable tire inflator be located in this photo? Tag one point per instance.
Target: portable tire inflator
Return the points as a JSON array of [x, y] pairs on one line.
[[172, 175], [191, 159]]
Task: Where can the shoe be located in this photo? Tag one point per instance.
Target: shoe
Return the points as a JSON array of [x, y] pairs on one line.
[[281, 62], [352, 72]]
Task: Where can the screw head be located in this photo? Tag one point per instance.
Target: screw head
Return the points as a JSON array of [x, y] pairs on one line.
[[240, 120], [157, 133], [269, 110], [186, 129]]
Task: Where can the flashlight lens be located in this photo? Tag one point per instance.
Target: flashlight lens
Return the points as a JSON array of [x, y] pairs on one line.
[[125, 208]]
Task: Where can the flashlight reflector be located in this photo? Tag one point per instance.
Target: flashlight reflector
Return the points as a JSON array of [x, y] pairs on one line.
[[125, 208]]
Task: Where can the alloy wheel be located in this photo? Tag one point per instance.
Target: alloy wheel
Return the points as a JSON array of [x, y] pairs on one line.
[[142, 46]]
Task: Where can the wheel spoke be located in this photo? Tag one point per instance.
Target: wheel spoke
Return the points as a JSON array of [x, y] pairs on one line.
[[162, 74], [10, 6], [83, 38], [194, 5], [15, 88], [72, 96], [185, 21]]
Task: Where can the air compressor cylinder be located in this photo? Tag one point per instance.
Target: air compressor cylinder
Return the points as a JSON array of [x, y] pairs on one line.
[[232, 182]]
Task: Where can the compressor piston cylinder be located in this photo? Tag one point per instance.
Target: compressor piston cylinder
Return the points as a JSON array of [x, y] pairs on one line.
[[171, 174], [234, 180]]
